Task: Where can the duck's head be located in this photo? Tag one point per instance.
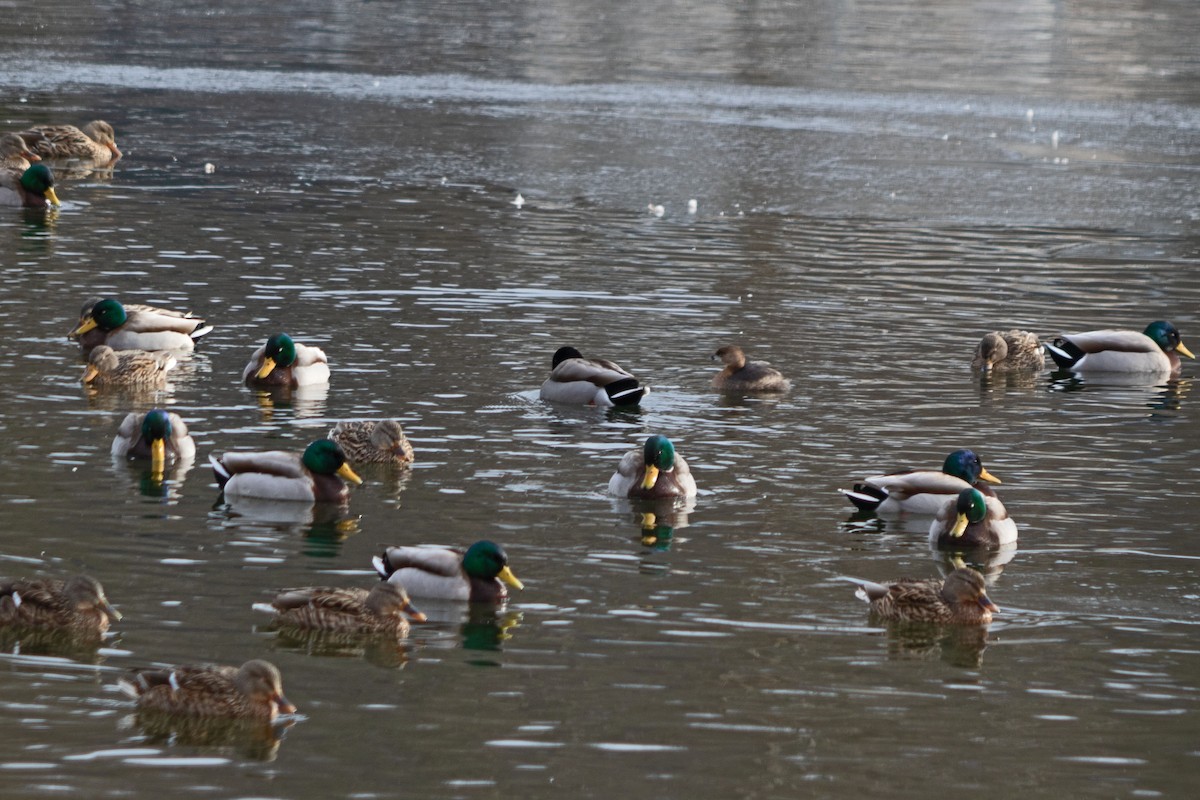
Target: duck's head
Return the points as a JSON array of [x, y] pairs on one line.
[[39, 180], [731, 356], [992, 350], [659, 456], [107, 314], [389, 599], [966, 465], [156, 429], [325, 457], [486, 560], [562, 354], [12, 146], [280, 352], [102, 133], [87, 594], [1166, 336], [965, 587], [102, 359], [969, 508], [260, 680]]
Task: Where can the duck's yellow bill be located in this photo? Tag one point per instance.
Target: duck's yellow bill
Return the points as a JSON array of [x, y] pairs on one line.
[[984, 475], [506, 575], [266, 369], [84, 327], [960, 525], [348, 474], [651, 477], [52, 197], [90, 373], [158, 457], [1179, 348]]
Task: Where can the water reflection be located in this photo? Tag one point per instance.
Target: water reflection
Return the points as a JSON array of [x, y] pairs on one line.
[[390, 651], [656, 520], [281, 403], [247, 739], [989, 562], [488, 627], [81, 646], [957, 645]]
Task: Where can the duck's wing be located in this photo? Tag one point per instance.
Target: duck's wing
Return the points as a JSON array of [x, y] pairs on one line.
[[269, 462], [442, 561]]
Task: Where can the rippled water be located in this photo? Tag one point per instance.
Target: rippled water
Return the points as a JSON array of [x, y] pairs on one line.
[[873, 195]]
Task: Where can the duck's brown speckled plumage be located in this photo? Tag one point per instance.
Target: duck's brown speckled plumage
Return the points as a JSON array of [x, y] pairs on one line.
[[1009, 351], [77, 604], [960, 599], [251, 691], [96, 142], [373, 442], [136, 368], [383, 609], [741, 375]]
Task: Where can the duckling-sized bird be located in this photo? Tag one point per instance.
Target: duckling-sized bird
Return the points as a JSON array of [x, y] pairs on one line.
[[589, 381], [447, 573], [14, 154], [922, 492], [140, 369], [96, 142], [384, 609], [78, 605], [741, 375], [373, 442], [653, 472], [960, 599], [1153, 351], [32, 187], [282, 362], [161, 436], [972, 520], [1009, 351], [136, 327], [251, 691], [314, 477]]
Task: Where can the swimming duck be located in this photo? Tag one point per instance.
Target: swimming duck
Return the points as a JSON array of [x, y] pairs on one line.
[[972, 520], [77, 604], [961, 598], [1009, 351], [251, 691], [96, 142], [136, 327], [158, 435], [1153, 351], [741, 375], [447, 573], [14, 154], [29, 188], [380, 610], [921, 492], [282, 362], [589, 381], [373, 442], [653, 472], [133, 368], [316, 476]]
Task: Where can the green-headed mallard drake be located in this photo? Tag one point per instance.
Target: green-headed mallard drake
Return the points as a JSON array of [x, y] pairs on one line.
[[972, 520], [1009, 351], [589, 381], [282, 362], [139, 369], [373, 441], [653, 472], [161, 436], [446, 573], [14, 154], [77, 604], [961, 598], [922, 492], [251, 691], [386, 608], [32, 187], [96, 142], [741, 375], [136, 327], [1152, 351], [314, 477]]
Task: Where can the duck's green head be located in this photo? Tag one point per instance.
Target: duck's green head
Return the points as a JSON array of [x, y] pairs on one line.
[[966, 465], [107, 314], [156, 429], [324, 457], [969, 508], [38, 179], [486, 560], [1166, 336], [659, 456], [280, 352]]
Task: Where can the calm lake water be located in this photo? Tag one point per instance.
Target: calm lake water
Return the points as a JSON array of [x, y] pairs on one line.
[[877, 185]]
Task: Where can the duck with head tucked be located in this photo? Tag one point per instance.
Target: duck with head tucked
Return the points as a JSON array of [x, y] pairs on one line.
[[1154, 351], [653, 472], [32, 187], [14, 154], [161, 436], [386, 608], [77, 605], [1009, 351], [960, 599], [134, 369], [282, 362], [477, 575], [136, 327], [972, 519], [316, 476], [373, 442], [589, 381], [922, 492], [741, 375], [96, 142], [251, 691]]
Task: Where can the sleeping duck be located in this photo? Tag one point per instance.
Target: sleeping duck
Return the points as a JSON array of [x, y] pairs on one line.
[[284, 363], [922, 492], [653, 472], [136, 327], [385, 608], [1009, 351], [444, 573], [77, 605], [251, 691], [589, 381], [741, 375], [1156, 350], [96, 142], [158, 435], [972, 520], [314, 477], [32, 187], [961, 598]]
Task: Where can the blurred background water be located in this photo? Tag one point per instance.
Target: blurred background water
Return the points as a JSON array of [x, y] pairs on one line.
[[877, 185]]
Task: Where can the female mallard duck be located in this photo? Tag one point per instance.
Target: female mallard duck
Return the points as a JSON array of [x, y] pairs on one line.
[[447, 573], [136, 327], [1153, 351], [282, 362], [961, 599], [654, 472], [96, 142], [922, 492], [314, 477], [32, 187], [251, 691], [589, 381], [158, 435], [14, 154], [373, 442], [383, 609], [134, 368], [1009, 351], [77, 605], [741, 375], [972, 520]]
